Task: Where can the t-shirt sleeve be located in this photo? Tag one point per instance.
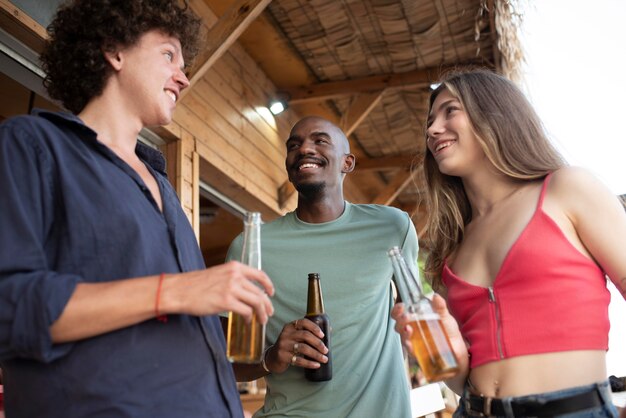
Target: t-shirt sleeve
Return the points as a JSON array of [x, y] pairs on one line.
[[410, 246]]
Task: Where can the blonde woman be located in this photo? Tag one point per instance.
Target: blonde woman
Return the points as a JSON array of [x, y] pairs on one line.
[[519, 246]]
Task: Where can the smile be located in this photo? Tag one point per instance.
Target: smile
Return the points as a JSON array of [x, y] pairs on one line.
[[171, 95], [443, 145], [308, 165]]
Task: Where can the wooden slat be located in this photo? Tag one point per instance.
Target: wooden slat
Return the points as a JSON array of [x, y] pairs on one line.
[[359, 109], [21, 26], [394, 188], [230, 121], [285, 191], [332, 89], [243, 153], [246, 97], [195, 158], [224, 33], [218, 151], [385, 163], [229, 181]]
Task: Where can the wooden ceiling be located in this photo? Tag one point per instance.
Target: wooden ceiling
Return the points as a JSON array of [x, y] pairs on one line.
[[365, 64]]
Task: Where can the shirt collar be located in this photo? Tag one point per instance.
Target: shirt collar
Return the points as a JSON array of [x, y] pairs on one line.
[[148, 154]]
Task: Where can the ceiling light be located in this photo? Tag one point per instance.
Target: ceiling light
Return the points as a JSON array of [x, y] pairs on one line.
[[277, 107]]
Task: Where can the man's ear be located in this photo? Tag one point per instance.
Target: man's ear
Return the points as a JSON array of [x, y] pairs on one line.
[[349, 161], [114, 57]]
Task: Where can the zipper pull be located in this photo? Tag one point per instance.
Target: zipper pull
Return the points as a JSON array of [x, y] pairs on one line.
[[492, 295]]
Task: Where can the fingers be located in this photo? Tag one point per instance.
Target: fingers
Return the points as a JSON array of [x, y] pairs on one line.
[[308, 325], [299, 345], [307, 356], [402, 319], [397, 310], [256, 301], [249, 291], [439, 305], [259, 277], [232, 286], [402, 326]]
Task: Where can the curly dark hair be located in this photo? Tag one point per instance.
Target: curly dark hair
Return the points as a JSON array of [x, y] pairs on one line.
[[73, 58]]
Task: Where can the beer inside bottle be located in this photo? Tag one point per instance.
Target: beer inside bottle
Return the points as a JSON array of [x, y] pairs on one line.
[[315, 312], [431, 346], [246, 341]]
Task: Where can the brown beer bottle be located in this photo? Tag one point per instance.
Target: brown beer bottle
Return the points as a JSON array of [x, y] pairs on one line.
[[431, 346], [315, 312]]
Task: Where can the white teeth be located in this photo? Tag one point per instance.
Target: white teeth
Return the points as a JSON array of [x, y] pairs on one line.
[[443, 145], [308, 165], [172, 95]]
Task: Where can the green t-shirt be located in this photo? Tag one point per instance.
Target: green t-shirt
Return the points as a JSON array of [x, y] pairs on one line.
[[350, 254]]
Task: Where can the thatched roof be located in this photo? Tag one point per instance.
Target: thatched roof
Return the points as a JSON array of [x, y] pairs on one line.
[[369, 65]]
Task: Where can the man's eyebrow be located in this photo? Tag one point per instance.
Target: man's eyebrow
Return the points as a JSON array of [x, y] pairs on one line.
[[179, 51]]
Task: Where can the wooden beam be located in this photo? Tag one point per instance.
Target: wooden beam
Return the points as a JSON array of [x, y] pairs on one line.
[[195, 209], [393, 189], [21, 26], [224, 33], [358, 110], [332, 89], [386, 163]]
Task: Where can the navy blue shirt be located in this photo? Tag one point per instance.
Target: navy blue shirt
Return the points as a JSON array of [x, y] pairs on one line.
[[71, 211]]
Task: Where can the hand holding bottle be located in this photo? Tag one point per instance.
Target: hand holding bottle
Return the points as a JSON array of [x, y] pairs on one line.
[[300, 344], [402, 318], [430, 343], [245, 342]]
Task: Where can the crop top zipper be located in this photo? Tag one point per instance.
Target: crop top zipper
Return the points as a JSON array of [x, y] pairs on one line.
[[492, 299]]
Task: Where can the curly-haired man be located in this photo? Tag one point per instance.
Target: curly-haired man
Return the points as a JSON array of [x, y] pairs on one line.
[[106, 308]]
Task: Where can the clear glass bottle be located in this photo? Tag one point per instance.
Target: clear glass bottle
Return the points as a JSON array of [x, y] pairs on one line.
[[316, 313], [246, 340], [431, 346]]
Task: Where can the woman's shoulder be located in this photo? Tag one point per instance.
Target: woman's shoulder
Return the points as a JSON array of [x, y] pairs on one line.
[[577, 189], [571, 175], [574, 181]]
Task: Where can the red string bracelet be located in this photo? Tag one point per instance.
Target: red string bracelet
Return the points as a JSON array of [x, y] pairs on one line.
[[160, 317]]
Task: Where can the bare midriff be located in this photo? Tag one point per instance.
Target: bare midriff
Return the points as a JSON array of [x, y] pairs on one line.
[[538, 373]]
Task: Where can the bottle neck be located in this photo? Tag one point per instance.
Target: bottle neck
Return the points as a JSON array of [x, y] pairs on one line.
[[407, 280], [251, 251], [315, 303]]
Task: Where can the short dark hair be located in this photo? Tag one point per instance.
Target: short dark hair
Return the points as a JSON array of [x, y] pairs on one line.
[[73, 58]]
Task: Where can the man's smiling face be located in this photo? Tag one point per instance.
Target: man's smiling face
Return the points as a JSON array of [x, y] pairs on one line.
[[317, 155]]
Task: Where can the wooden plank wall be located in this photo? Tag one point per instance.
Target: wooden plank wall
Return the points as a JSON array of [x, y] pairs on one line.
[[241, 151], [183, 164]]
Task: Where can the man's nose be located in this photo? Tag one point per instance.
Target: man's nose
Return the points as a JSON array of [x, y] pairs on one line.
[[307, 147], [181, 79]]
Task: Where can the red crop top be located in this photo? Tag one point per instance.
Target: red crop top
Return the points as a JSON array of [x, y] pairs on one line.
[[547, 297]]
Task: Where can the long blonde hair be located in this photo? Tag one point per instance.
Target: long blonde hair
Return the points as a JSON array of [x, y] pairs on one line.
[[512, 137]]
